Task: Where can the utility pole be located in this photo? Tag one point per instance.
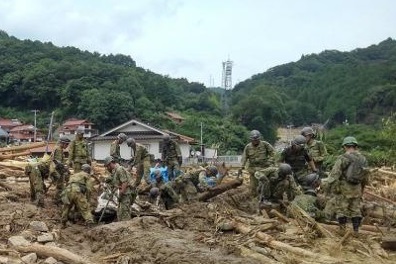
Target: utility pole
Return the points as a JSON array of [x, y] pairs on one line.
[[35, 123]]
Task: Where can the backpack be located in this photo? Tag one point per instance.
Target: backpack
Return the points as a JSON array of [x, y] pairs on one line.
[[357, 170]]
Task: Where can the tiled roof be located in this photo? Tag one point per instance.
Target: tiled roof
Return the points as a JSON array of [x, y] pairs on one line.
[[22, 127], [76, 122]]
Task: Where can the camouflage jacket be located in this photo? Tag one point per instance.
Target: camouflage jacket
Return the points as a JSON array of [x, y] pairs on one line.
[[58, 154], [115, 151], [317, 150], [309, 203], [119, 176], [78, 151], [337, 179], [261, 155], [141, 154], [170, 151], [296, 158], [80, 181]]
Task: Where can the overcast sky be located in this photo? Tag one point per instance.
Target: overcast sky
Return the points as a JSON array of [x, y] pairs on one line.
[[191, 38]]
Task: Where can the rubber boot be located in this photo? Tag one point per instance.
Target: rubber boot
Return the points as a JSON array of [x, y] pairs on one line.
[[342, 224], [355, 224]]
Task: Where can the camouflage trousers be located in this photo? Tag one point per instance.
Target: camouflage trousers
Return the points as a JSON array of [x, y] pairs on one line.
[[347, 206], [59, 182], [72, 196], [124, 205], [173, 168], [36, 188]]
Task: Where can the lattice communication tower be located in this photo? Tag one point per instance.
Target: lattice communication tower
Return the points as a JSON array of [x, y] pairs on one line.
[[227, 75]]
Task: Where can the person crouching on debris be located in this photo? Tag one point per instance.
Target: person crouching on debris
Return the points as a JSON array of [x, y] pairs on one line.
[[274, 182], [37, 172], [75, 194], [346, 181], [121, 179], [309, 201]]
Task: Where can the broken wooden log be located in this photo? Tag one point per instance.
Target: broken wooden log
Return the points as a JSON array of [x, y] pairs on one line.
[[23, 147], [246, 252], [5, 186], [277, 214], [299, 214], [271, 242], [380, 197], [389, 243], [13, 155], [57, 253], [391, 173], [203, 197]]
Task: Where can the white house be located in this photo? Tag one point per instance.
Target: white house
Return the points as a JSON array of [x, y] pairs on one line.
[[144, 134]]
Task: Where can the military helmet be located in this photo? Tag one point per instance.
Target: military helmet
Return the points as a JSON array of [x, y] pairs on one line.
[[108, 160], [80, 130], [349, 141], [299, 140], [131, 142], [284, 169], [310, 180], [122, 136], [212, 170], [86, 168], [64, 139], [154, 192], [166, 137], [307, 131], [255, 134]]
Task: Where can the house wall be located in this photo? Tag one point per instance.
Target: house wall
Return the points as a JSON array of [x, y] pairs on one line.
[[101, 149]]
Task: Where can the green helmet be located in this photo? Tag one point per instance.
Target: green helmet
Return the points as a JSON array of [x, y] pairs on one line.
[[80, 130], [307, 131], [131, 142], [310, 180], [64, 139], [166, 138], [212, 170], [284, 169], [299, 140], [108, 160], [122, 136], [255, 135], [86, 168], [349, 141]]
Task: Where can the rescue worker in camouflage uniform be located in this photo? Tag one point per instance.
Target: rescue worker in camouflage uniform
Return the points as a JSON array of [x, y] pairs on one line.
[[121, 180], [274, 183], [316, 148], [185, 188], [60, 174], [257, 155], [309, 200], [115, 147], [142, 161], [75, 195], [171, 156], [297, 156], [78, 151], [348, 194], [37, 172]]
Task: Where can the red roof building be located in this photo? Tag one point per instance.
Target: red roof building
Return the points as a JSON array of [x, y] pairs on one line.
[[25, 133], [6, 124], [70, 126]]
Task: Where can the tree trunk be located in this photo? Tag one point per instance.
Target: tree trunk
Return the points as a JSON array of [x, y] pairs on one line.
[[219, 189]]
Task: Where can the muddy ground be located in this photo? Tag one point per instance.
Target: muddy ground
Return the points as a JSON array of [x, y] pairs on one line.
[[191, 233]]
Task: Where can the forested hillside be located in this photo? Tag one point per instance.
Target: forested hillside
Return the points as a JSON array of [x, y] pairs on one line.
[[358, 86], [106, 89]]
